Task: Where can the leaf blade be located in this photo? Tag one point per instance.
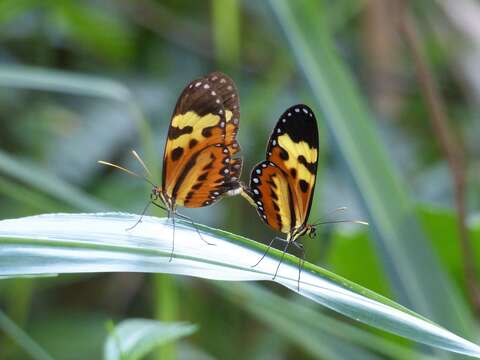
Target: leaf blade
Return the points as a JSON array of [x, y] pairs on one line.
[[75, 243]]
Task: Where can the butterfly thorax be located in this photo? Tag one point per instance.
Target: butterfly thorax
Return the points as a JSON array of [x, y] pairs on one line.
[[306, 229]]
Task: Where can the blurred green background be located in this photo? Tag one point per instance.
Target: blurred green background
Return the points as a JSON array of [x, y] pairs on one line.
[[87, 80]]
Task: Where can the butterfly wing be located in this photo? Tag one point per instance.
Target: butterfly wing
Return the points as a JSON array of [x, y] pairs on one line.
[[271, 195], [197, 137], [227, 91], [285, 183]]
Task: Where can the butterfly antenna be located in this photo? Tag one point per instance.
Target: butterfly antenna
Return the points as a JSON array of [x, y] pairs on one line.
[[135, 154], [335, 211], [126, 170]]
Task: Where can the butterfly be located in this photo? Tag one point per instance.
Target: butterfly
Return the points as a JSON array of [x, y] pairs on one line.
[[281, 187], [199, 166]]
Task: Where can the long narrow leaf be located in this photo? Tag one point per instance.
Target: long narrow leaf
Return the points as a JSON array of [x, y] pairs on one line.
[[80, 243], [22, 339], [28, 77], [39, 179], [304, 326]]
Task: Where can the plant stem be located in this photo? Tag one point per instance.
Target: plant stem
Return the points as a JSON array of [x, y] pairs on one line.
[[166, 309], [448, 144]]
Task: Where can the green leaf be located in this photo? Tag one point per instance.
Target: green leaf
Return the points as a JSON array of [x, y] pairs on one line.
[[46, 183], [415, 272], [134, 338], [313, 331], [22, 339], [81, 243], [27, 77]]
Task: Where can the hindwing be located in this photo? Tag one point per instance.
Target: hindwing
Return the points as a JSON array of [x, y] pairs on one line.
[[272, 197]]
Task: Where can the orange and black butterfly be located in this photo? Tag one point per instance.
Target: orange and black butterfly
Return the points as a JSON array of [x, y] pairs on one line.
[[199, 166], [281, 187]]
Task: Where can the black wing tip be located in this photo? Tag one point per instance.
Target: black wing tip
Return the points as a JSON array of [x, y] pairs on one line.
[[299, 122]]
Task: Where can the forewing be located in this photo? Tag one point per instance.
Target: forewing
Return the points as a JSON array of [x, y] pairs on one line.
[[272, 196], [198, 123], [293, 147]]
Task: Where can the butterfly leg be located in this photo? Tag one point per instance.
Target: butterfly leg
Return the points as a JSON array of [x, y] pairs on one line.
[[173, 237], [281, 259], [195, 226], [141, 216], [301, 261], [159, 206], [268, 248]]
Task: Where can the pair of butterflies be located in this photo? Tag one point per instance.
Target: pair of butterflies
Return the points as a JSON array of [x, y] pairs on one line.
[[200, 167]]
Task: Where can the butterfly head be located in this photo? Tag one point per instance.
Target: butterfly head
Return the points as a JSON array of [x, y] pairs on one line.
[[311, 231], [156, 193]]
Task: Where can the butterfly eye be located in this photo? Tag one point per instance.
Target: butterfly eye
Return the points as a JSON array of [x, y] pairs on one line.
[[155, 194]]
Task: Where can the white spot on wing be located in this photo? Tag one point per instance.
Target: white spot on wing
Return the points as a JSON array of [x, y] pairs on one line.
[[198, 84]]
